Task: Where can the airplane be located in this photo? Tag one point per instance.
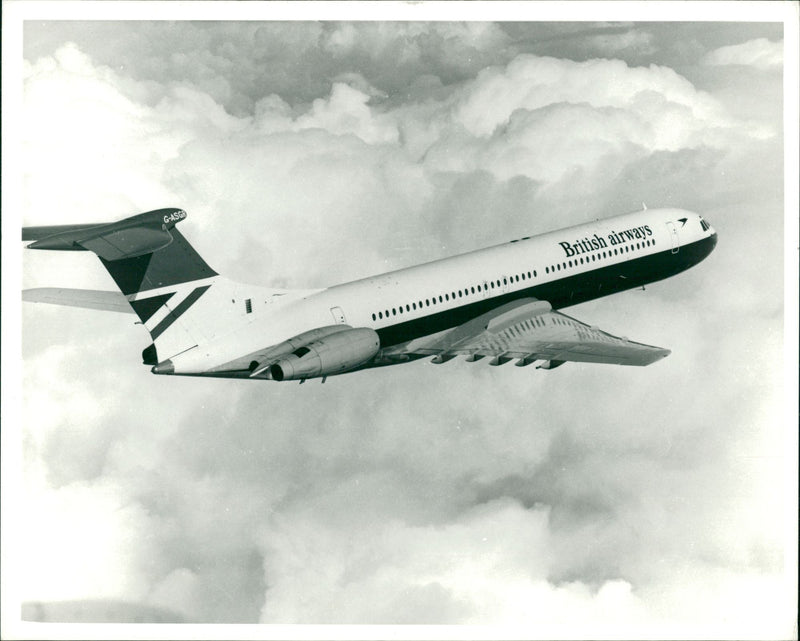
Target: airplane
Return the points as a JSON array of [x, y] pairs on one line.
[[499, 303]]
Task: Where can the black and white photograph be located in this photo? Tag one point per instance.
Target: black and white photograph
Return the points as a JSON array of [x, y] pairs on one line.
[[435, 320]]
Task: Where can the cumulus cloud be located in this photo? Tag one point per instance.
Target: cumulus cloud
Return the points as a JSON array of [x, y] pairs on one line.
[[582, 499], [617, 43], [759, 53], [533, 82]]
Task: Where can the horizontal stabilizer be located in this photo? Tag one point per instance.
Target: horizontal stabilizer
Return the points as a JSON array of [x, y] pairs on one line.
[[135, 236], [86, 298]]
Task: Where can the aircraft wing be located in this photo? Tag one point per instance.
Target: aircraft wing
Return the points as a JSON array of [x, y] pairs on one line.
[[529, 330], [87, 298]]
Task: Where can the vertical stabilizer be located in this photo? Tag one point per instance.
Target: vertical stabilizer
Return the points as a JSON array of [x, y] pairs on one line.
[[161, 275]]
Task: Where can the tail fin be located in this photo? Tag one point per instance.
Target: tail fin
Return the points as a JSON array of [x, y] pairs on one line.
[[158, 271]]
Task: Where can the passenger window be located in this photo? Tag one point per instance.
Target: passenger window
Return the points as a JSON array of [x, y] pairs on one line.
[[505, 282], [408, 308], [440, 299], [374, 317], [394, 311], [534, 273], [472, 289]]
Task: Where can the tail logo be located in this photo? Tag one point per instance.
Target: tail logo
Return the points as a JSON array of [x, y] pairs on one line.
[[148, 308]]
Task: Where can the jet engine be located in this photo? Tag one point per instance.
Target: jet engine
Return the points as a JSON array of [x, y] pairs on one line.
[[334, 354]]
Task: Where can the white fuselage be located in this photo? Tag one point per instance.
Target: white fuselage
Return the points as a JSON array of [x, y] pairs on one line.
[[564, 267]]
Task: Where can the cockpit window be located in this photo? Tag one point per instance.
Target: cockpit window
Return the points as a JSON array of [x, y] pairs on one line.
[[704, 225]]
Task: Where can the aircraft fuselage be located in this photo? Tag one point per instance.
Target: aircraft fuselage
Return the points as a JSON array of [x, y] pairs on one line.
[[564, 267]]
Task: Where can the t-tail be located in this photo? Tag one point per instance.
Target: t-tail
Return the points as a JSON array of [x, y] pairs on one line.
[[159, 273]]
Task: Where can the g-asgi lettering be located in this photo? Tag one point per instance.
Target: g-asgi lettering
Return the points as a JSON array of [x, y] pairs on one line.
[[174, 216], [586, 244]]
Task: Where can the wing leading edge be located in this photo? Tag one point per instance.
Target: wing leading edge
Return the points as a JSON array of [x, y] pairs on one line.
[[529, 331]]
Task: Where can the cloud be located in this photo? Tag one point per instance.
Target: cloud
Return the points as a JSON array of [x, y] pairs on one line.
[[582, 499], [346, 111], [760, 53], [535, 82], [96, 611], [615, 43]]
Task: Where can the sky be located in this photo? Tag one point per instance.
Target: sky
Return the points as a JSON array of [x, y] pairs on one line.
[[587, 501]]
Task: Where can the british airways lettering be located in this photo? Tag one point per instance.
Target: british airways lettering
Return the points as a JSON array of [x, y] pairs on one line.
[[585, 245]]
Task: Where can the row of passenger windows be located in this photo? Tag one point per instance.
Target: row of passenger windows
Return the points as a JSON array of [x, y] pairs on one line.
[[461, 293], [476, 289], [598, 256]]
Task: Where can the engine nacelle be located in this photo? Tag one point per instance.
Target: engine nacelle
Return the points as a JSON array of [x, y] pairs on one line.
[[334, 354]]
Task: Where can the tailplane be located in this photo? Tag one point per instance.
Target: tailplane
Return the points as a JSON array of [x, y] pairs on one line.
[[162, 277]]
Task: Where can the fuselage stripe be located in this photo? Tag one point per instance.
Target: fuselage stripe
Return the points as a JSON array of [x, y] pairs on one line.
[[176, 313]]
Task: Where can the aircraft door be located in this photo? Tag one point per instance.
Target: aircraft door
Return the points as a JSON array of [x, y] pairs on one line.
[[673, 237], [338, 315]]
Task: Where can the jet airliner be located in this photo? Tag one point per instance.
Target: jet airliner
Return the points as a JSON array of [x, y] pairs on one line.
[[499, 303]]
